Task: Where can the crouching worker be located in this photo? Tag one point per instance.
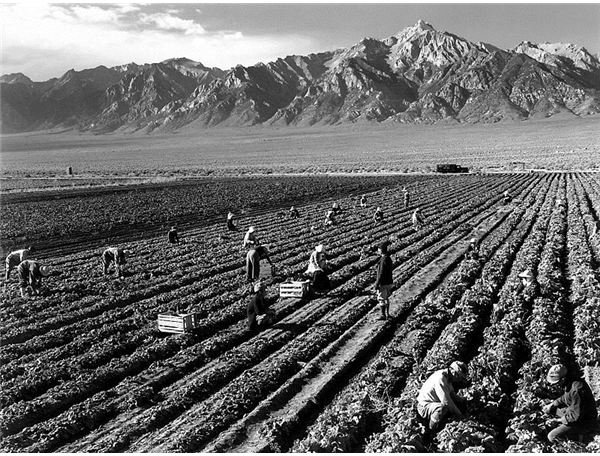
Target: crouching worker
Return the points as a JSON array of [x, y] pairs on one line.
[[575, 409], [257, 306], [317, 264], [173, 236], [437, 397], [253, 258], [30, 275], [114, 255]]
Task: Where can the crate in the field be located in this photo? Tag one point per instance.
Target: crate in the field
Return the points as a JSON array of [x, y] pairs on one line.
[[295, 289], [177, 324]]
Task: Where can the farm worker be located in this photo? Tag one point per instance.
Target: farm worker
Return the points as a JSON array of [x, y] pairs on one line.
[[406, 197], [253, 258], [173, 236], [250, 239], [113, 255], [363, 201], [317, 264], [437, 397], [417, 219], [384, 282], [257, 306], [472, 250], [230, 225], [30, 274], [378, 215], [330, 218], [527, 284], [13, 259], [506, 197], [575, 409], [294, 212], [336, 208]]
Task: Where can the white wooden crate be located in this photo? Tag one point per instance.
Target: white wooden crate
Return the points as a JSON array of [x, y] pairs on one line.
[[294, 289], [177, 324]]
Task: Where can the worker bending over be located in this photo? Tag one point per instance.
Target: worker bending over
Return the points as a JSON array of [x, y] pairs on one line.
[[378, 215], [253, 257], [31, 274], [294, 212], [173, 236], [417, 219], [330, 218], [114, 255], [437, 397], [230, 225], [13, 259]]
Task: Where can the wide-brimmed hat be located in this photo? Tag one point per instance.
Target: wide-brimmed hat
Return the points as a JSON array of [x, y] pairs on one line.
[[459, 370], [45, 270], [526, 274], [320, 248], [473, 240], [258, 286], [556, 373], [251, 229]]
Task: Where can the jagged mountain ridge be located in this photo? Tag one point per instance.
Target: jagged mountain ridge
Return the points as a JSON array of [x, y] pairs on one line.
[[418, 75]]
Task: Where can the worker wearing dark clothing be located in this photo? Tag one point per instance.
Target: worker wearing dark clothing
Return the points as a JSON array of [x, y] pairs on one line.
[[506, 197], [294, 212], [173, 236], [253, 258], [30, 275], [384, 281], [113, 255], [472, 252], [230, 225], [575, 409], [257, 306], [406, 198], [378, 215], [336, 208]]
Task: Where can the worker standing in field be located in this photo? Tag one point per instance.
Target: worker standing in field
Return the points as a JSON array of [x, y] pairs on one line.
[[30, 275], [230, 224], [250, 239], [13, 259], [575, 410], [114, 255], [317, 263], [406, 197], [437, 397], [417, 219], [173, 236], [385, 281], [253, 258], [378, 215], [294, 212]]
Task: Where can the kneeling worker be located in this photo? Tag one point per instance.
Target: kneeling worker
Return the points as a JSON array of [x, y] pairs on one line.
[[30, 275], [575, 409], [437, 397], [257, 306], [316, 269]]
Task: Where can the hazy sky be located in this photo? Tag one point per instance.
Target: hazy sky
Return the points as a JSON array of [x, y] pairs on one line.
[[44, 40]]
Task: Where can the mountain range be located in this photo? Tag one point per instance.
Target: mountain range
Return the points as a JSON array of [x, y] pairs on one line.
[[419, 75]]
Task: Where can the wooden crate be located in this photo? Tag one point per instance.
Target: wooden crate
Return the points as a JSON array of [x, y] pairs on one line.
[[177, 324], [294, 289]]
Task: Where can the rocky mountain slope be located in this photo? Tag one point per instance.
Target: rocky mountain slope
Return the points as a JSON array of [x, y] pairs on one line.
[[418, 75]]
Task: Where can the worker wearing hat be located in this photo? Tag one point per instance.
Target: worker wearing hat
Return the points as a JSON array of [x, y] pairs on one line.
[[437, 397], [385, 280], [378, 215], [528, 283], [257, 306], [472, 252], [114, 255], [173, 236], [317, 263], [416, 219], [294, 212], [230, 225], [575, 409], [363, 201], [30, 275]]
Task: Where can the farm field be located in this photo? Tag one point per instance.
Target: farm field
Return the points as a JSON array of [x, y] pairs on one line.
[[557, 143], [83, 368]]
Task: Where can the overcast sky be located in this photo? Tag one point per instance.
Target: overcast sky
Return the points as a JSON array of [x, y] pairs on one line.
[[45, 40]]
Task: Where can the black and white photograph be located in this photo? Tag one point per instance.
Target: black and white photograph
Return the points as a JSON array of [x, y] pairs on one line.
[[299, 227]]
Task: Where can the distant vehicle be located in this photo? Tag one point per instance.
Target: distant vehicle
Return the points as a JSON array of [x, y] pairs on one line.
[[451, 168]]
